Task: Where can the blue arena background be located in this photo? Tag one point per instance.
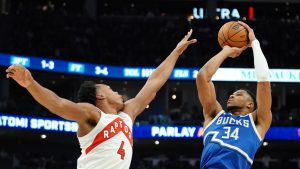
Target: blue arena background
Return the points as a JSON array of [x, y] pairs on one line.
[[139, 131], [118, 72]]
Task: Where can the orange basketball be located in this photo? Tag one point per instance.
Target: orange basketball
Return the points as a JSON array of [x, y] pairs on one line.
[[233, 34]]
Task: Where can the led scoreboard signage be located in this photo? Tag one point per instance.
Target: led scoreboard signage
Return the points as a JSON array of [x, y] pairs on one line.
[[223, 13], [119, 72], [139, 131]]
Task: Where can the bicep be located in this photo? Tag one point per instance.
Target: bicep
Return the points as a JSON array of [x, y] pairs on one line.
[[72, 111], [207, 97], [264, 102]]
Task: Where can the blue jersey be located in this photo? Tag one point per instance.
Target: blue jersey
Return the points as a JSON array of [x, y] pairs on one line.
[[230, 142]]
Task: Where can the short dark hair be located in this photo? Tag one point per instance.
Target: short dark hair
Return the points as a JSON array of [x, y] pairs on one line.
[[253, 97], [87, 92]]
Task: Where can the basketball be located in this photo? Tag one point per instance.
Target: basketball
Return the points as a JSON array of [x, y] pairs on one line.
[[233, 34]]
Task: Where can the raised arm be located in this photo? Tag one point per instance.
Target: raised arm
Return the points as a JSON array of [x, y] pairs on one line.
[[205, 86], [263, 94], [55, 104], [157, 79]]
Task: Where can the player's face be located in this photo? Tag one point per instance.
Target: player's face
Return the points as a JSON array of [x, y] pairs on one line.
[[113, 97], [237, 100]]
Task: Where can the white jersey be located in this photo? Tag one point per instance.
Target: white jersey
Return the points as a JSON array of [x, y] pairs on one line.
[[108, 145]]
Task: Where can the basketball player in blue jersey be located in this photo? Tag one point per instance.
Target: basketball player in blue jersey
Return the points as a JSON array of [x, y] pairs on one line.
[[232, 138], [105, 121]]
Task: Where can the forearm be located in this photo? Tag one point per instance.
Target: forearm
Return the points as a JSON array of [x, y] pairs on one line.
[[264, 97], [163, 71], [44, 96], [210, 68], [153, 84], [260, 63]]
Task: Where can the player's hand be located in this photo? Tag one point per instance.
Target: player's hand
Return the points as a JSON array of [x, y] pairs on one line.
[[20, 74], [233, 52], [185, 42], [251, 34]]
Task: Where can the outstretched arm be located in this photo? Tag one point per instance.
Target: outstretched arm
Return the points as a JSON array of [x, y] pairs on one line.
[[55, 104], [263, 94], [157, 79], [205, 87]]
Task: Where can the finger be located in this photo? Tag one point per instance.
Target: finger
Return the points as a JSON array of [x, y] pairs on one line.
[[242, 23], [192, 41], [190, 32], [8, 75], [9, 68], [13, 70], [245, 47], [13, 67], [245, 25], [188, 35], [239, 21], [242, 48]]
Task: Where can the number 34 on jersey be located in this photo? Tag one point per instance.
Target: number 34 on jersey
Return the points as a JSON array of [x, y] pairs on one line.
[[230, 133]]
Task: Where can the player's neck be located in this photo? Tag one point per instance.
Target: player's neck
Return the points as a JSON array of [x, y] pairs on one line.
[[107, 108], [239, 112]]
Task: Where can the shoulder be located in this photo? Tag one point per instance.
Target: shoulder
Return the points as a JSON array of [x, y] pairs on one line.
[[88, 107], [128, 109], [210, 119], [126, 117], [85, 105], [92, 112]]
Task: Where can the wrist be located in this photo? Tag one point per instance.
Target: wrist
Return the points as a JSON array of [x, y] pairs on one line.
[[29, 84], [177, 51], [227, 51], [254, 42]]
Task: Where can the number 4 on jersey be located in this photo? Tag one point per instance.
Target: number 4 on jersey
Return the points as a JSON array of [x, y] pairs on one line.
[[121, 150]]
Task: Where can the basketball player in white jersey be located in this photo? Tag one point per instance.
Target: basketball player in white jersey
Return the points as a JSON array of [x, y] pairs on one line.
[[105, 122]]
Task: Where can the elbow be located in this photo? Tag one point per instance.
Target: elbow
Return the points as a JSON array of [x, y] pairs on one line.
[[202, 76], [265, 119], [271, 115]]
